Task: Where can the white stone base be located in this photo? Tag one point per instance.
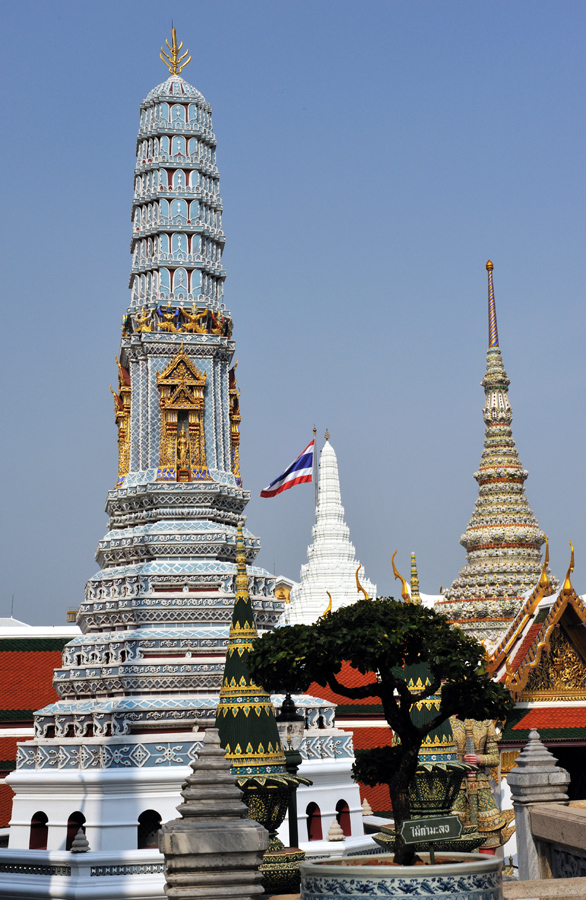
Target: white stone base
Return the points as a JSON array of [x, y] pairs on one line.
[[56, 875]]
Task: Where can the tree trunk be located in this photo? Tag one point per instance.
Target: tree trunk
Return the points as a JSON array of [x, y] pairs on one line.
[[404, 854], [399, 791]]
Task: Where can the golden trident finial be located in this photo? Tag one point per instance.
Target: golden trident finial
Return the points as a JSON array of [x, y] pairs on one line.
[[172, 60]]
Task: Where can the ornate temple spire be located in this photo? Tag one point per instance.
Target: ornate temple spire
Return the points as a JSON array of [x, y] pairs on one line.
[[415, 595], [493, 333], [246, 718], [332, 562], [503, 539]]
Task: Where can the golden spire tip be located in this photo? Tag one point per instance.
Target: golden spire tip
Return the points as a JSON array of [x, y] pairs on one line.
[[567, 588], [489, 266], [173, 60]]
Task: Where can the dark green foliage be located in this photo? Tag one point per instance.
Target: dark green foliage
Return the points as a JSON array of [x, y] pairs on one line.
[[384, 636]]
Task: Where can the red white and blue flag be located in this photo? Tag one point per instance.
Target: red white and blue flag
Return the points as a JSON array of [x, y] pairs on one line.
[[299, 472]]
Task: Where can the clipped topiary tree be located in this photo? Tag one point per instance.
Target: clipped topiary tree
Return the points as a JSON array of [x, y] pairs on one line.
[[385, 636]]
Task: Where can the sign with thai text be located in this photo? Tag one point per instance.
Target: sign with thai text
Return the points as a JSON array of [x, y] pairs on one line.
[[441, 828]]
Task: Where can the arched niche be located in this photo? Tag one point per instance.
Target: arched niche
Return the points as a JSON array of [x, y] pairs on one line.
[[149, 823], [75, 821], [39, 832], [343, 817], [314, 828]]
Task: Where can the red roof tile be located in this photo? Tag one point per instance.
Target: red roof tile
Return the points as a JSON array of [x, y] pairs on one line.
[[365, 738], [546, 717], [525, 645], [26, 678], [6, 795], [8, 748], [378, 798], [351, 678]]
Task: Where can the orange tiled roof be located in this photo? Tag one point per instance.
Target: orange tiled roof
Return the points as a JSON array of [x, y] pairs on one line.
[[26, 679]]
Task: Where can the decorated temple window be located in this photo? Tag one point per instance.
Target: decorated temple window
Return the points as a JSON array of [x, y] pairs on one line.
[[177, 113], [39, 833], [74, 823], [194, 211], [179, 180], [195, 281], [178, 146], [192, 147], [182, 387], [165, 146], [179, 245], [178, 212], [164, 111], [180, 282], [164, 281]]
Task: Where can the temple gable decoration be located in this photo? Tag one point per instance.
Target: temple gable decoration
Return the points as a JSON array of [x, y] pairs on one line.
[[182, 388], [543, 656]]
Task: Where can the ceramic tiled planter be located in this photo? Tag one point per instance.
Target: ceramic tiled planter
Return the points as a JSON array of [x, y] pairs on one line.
[[463, 876]]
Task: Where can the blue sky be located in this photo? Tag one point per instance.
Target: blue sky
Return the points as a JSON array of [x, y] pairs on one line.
[[373, 156]]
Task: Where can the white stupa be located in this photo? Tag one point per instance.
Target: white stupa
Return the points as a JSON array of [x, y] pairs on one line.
[[332, 562]]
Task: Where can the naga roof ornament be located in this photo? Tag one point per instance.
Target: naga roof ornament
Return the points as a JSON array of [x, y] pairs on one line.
[[503, 540]]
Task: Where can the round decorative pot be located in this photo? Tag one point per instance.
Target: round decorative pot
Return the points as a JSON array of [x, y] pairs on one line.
[[455, 876]]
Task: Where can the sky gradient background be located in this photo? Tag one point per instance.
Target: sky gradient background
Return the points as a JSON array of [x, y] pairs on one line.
[[373, 156]]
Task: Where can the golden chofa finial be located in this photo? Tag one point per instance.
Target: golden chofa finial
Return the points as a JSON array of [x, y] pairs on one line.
[[172, 60], [567, 588], [489, 266], [404, 588], [359, 587], [543, 578], [328, 608]]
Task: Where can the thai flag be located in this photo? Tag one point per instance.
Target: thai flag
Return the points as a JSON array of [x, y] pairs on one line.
[[299, 472]]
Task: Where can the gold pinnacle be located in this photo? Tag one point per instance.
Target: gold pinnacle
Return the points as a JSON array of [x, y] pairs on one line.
[[327, 435], [172, 60], [489, 266]]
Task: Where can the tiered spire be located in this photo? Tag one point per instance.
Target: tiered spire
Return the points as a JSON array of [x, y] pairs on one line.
[[177, 238], [246, 718], [332, 563], [503, 539]]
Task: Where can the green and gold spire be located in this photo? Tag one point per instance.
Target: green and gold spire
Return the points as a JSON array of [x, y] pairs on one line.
[[246, 718]]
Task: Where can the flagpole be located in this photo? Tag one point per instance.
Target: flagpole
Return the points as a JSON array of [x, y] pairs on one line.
[[315, 465]]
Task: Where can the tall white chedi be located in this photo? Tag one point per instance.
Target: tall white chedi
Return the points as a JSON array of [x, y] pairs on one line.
[[332, 563]]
